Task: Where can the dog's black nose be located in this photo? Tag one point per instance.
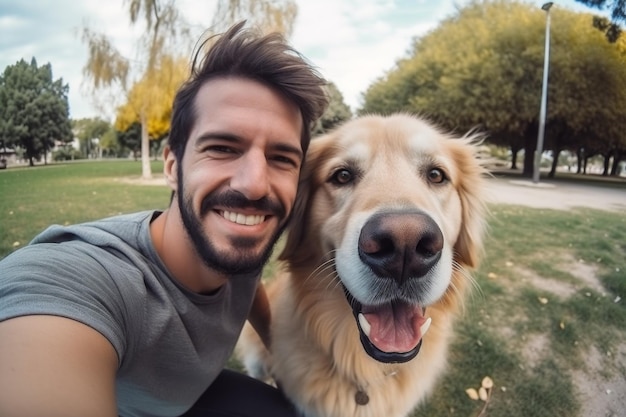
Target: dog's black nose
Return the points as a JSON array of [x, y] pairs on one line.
[[400, 245]]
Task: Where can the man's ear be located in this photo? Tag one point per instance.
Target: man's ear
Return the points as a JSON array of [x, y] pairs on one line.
[[170, 168]]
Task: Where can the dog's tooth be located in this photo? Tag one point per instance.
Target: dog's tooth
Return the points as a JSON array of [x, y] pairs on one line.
[[365, 325], [425, 326]]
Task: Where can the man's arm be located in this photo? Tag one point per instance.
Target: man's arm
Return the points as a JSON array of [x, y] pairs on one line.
[[260, 315], [55, 367]]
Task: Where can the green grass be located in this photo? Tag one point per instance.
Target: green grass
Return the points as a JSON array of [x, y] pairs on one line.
[[506, 317], [33, 198], [527, 347]]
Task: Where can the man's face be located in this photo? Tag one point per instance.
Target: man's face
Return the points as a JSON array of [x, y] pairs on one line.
[[238, 178]]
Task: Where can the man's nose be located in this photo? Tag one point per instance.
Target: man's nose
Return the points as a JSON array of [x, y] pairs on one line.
[[252, 176]]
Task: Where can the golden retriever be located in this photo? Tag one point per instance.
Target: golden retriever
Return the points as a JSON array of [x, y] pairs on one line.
[[388, 222]]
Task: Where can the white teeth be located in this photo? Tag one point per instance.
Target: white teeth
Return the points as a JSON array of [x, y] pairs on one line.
[[242, 218], [365, 325], [425, 326]]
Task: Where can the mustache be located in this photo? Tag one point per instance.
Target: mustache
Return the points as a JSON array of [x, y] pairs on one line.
[[235, 200]]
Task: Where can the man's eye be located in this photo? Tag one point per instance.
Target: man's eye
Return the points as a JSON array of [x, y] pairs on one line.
[[285, 160], [219, 149]]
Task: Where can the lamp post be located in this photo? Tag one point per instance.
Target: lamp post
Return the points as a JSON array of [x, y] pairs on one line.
[[544, 96]]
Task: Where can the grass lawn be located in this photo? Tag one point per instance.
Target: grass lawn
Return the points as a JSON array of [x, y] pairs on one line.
[[33, 198], [547, 322]]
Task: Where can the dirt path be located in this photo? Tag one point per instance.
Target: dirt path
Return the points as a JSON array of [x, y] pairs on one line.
[[556, 195]]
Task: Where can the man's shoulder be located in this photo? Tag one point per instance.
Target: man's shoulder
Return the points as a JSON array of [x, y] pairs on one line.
[[98, 232]]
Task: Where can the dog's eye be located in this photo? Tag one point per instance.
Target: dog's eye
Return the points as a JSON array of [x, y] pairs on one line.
[[436, 176], [342, 177]]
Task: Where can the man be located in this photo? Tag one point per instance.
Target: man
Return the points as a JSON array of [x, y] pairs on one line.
[[136, 315]]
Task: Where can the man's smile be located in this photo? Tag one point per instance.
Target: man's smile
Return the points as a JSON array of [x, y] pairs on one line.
[[240, 218]]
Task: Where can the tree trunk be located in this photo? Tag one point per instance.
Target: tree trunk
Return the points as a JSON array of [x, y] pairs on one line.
[[607, 164], [514, 153], [579, 160], [616, 161], [555, 163], [146, 170]]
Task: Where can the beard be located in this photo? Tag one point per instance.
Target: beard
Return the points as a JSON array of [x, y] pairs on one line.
[[243, 258]]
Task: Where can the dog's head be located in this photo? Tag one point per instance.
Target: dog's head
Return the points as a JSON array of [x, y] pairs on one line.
[[394, 204]]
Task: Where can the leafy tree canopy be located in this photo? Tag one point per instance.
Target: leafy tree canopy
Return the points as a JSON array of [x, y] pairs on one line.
[[90, 132], [336, 112], [154, 96], [130, 138], [484, 66], [90, 128], [34, 111]]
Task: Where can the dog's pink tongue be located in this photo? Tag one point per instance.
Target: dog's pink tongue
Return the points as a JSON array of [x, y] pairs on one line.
[[395, 327]]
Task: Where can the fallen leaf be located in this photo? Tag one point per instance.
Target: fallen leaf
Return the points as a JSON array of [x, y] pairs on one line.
[[16, 244], [482, 393], [543, 300], [487, 383], [562, 325], [472, 393], [492, 275]]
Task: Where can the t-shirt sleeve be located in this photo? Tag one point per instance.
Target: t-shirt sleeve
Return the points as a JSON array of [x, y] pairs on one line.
[[70, 280]]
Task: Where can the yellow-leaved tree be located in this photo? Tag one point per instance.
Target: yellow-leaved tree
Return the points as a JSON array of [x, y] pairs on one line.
[[149, 100], [107, 69]]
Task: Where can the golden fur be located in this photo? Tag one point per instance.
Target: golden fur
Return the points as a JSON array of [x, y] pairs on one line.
[[317, 357]]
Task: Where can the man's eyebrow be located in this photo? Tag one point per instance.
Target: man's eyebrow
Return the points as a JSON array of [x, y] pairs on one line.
[[225, 136]]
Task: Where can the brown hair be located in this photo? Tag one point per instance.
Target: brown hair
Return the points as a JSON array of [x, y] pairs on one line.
[[267, 59]]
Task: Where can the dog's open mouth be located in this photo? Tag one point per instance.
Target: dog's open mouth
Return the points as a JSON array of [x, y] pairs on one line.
[[391, 332]]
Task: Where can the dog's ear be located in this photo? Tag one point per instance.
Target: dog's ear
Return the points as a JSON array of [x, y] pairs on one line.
[[471, 190], [318, 152]]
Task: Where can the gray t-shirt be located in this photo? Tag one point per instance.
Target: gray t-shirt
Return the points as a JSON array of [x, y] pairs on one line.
[[171, 342]]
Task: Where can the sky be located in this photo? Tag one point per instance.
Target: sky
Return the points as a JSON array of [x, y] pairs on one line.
[[351, 42]]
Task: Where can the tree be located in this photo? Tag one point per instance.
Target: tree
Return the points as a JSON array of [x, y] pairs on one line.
[[166, 78], [34, 112], [336, 112], [88, 131], [617, 9], [110, 145], [483, 68], [107, 68], [130, 138]]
